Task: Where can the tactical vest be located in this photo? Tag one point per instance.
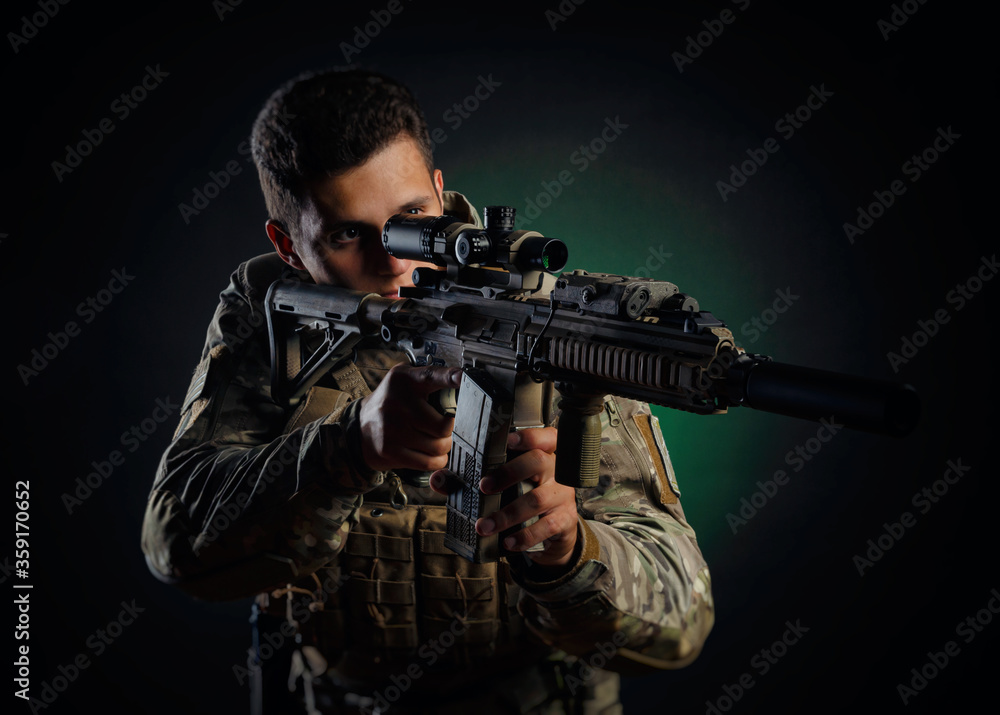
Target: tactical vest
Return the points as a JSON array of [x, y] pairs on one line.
[[396, 593], [395, 598]]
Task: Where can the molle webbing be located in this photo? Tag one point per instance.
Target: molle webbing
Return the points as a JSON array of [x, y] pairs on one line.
[[403, 591], [395, 586]]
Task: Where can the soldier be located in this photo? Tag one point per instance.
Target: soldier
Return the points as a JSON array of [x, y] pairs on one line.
[[304, 508]]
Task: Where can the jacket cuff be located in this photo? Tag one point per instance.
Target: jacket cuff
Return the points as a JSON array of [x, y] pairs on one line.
[[568, 583], [340, 440]]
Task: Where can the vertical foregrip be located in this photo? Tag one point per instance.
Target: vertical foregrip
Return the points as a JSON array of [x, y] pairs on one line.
[[578, 448]]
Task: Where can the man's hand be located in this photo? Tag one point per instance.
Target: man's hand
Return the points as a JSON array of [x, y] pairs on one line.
[[399, 427], [553, 503]]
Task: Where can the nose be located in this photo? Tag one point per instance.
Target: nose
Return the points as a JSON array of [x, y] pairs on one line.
[[389, 265], [395, 266]]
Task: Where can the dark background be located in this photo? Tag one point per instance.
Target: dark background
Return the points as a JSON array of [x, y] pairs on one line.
[[654, 188]]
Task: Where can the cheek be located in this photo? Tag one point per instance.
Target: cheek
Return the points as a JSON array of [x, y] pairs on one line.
[[340, 265]]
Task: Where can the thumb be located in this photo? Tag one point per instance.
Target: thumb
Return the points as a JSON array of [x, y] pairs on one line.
[[445, 481], [426, 380]]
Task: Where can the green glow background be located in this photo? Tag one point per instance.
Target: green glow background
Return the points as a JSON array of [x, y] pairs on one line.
[[649, 194], [610, 224], [653, 187]]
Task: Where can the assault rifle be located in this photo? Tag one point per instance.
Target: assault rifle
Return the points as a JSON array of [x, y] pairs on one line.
[[497, 311]]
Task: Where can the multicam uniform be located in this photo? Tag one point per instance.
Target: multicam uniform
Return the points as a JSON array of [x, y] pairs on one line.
[[251, 498]]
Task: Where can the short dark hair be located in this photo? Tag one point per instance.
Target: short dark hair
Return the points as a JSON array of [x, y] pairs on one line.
[[322, 124]]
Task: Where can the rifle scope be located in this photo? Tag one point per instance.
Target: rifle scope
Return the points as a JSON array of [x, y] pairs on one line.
[[447, 241]]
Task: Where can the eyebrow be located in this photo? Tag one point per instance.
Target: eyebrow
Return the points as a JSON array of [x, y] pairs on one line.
[[345, 223], [418, 201]]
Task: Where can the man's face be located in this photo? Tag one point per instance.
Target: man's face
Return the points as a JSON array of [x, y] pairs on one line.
[[339, 237]]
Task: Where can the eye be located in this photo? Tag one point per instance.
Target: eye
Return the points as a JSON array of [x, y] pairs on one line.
[[346, 235], [415, 210]]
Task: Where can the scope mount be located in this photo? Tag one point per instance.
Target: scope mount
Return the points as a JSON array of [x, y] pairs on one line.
[[491, 260]]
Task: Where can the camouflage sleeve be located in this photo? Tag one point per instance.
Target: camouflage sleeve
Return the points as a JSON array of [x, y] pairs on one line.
[[640, 584], [238, 504]]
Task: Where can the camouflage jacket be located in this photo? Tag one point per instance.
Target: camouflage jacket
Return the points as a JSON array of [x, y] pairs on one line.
[[242, 504]]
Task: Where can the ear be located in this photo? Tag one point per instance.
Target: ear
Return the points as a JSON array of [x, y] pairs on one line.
[[283, 244], [438, 180]]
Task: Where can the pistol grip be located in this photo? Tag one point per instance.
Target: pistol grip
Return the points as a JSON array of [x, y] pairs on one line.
[[445, 401]]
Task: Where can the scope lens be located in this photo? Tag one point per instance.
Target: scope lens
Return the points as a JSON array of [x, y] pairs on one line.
[[542, 254]]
